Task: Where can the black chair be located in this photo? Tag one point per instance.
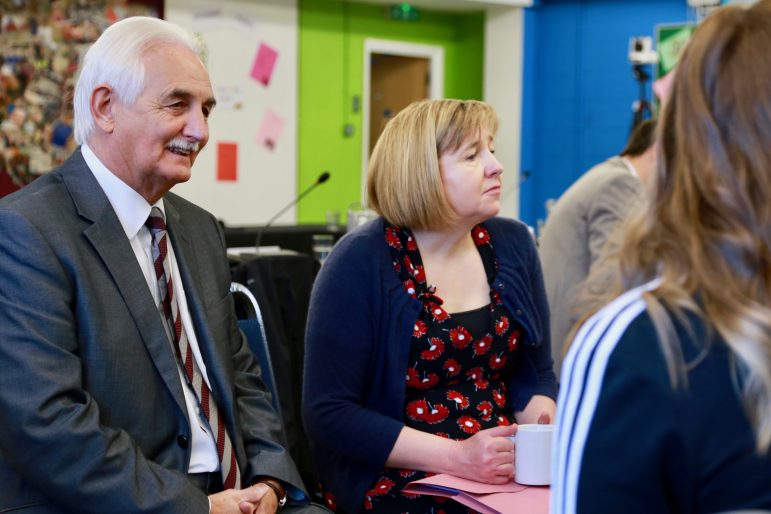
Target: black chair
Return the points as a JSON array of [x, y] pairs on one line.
[[282, 286], [251, 324]]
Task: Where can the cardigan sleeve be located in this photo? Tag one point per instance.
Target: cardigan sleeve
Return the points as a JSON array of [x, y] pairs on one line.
[[342, 339], [534, 373]]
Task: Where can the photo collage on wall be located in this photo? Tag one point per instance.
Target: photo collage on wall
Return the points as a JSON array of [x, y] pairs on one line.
[[41, 44]]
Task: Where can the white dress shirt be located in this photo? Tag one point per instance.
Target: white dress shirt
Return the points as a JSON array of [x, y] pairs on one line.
[[133, 210]]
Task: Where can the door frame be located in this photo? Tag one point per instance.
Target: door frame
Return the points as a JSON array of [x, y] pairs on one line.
[[435, 56]]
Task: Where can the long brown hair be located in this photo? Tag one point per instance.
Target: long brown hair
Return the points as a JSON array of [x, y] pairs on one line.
[[706, 232]]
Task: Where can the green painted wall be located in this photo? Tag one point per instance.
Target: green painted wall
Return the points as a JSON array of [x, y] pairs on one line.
[[331, 49]]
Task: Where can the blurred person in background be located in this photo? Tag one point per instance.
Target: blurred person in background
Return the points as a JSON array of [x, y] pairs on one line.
[[582, 221]]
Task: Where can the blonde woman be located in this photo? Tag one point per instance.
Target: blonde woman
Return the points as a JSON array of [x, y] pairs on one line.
[[428, 329], [666, 391]]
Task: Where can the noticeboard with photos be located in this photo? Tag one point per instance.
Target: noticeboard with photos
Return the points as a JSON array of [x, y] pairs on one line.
[[41, 44]]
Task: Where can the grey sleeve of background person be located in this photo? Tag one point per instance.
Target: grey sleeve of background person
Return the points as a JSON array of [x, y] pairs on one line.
[[613, 203], [575, 236]]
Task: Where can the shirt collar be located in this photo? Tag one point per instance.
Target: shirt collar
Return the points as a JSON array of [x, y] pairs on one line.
[[630, 167], [131, 208]]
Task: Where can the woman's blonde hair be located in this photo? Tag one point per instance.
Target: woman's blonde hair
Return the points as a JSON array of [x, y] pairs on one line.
[[404, 184], [706, 231]]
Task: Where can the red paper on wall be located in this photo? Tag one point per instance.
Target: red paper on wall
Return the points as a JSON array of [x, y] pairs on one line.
[[227, 159]]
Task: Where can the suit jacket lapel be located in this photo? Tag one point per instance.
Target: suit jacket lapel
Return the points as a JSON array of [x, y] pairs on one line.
[[119, 259]]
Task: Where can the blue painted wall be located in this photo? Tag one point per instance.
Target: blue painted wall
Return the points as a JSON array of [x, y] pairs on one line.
[[579, 89]]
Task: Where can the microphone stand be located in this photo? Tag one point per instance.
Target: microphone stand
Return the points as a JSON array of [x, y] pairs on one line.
[[322, 178]]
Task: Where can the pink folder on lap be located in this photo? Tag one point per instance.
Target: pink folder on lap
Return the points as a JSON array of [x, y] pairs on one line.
[[509, 498]]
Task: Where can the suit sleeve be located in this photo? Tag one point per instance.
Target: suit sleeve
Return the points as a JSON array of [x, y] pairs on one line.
[[52, 432]]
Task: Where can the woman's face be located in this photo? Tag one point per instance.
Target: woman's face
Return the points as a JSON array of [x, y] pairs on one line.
[[471, 176]]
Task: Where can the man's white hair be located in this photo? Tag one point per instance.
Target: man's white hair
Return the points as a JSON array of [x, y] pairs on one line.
[[116, 59]]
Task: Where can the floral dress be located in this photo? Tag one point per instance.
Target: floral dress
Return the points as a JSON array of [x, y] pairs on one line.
[[455, 381]]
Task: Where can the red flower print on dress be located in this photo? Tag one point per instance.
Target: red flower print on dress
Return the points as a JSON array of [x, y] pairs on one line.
[[409, 496], [406, 473], [412, 245], [502, 325], [409, 286], [419, 329], [368, 499], [461, 401], [429, 381], [499, 398], [469, 424], [513, 338], [460, 337], [482, 346], [496, 297], [408, 265], [481, 235], [439, 314], [497, 361], [485, 410], [481, 384], [452, 367], [435, 349], [416, 381], [383, 486], [442, 434], [474, 374], [437, 414], [502, 421], [392, 238], [419, 273], [417, 410], [330, 501], [397, 267]]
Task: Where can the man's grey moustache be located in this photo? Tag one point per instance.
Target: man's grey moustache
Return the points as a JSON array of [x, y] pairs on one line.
[[184, 146]]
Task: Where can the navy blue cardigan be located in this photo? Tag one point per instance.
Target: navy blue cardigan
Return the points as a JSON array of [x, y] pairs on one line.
[[357, 345]]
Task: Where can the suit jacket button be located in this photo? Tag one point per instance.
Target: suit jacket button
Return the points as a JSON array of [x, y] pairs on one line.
[[183, 441]]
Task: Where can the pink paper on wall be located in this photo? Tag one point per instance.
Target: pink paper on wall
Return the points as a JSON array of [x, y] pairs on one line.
[[270, 130], [227, 157], [262, 69]]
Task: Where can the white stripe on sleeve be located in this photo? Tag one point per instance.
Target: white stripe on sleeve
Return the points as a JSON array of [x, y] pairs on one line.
[[580, 388]]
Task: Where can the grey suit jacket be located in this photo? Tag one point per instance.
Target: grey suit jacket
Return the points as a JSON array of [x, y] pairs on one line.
[[575, 235], [92, 414]]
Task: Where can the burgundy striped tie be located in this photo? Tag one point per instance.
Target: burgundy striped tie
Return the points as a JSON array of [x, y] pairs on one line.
[[231, 476]]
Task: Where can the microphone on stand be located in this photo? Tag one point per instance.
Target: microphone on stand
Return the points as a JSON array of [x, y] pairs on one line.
[[511, 189], [320, 180]]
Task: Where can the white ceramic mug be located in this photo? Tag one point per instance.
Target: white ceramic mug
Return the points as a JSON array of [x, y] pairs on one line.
[[532, 464]]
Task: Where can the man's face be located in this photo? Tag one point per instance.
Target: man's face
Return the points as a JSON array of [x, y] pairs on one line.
[[157, 139]]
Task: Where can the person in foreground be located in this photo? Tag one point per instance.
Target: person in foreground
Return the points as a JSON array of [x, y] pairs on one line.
[[428, 330], [126, 386], [665, 400]]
